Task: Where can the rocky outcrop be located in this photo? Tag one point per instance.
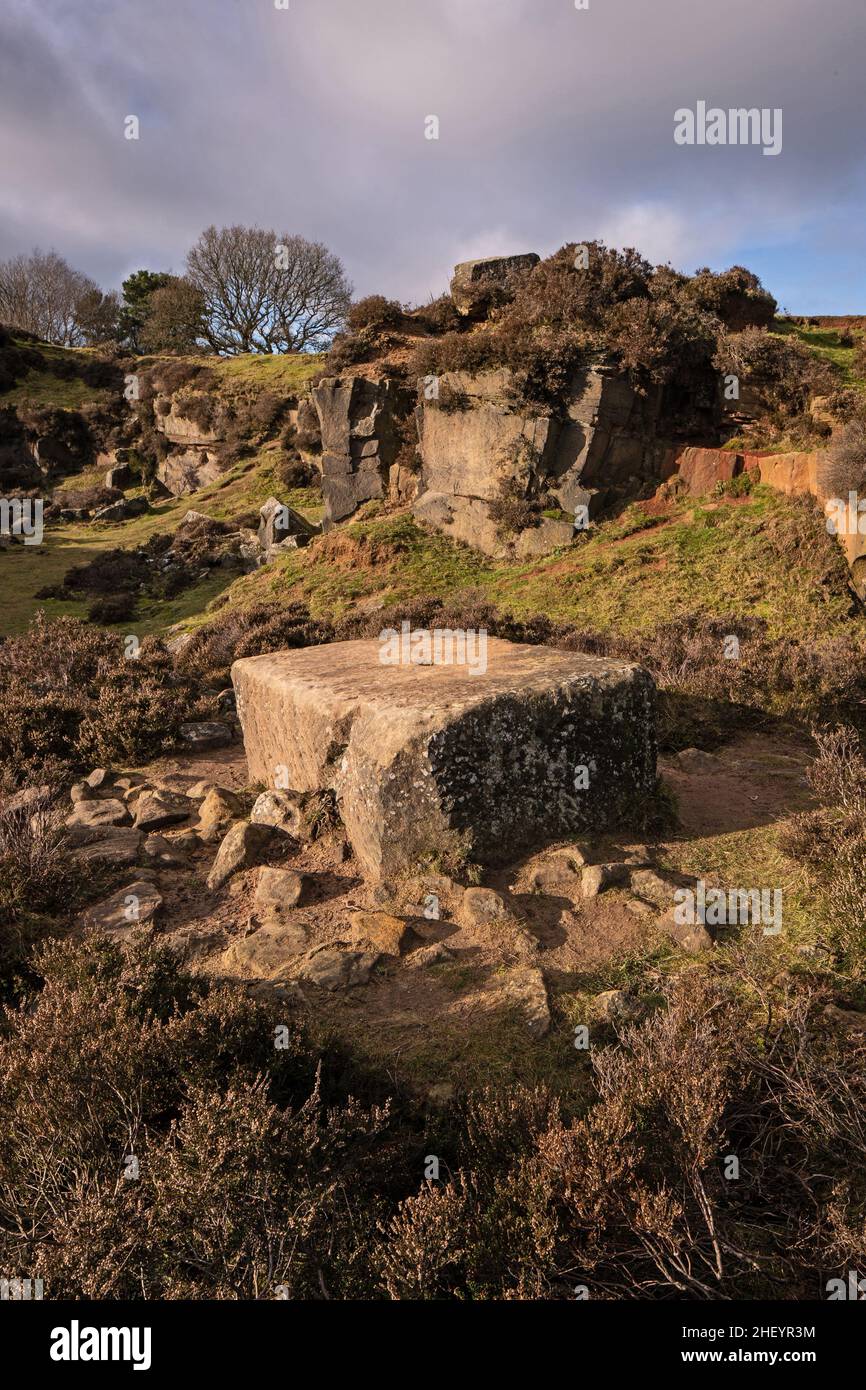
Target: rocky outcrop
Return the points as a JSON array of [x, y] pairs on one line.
[[188, 470], [431, 760], [282, 528], [359, 420], [479, 443], [478, 286]]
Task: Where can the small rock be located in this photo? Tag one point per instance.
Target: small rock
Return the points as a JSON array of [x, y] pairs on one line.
[[96, 813], [240, 849], [284, 811], [205, 733], [155, 809], [617, 1006], [26, 797], [81, 791], [128, 781], [695, 761], [849, 1020], [127, 911], [216, 813], [120, 848], [99, 779], [268, 952], [647, 884], [163, 852], [278, 890], [381, 931], [639, 908], [441, 1094], [597, 878], [693, 938], [526, 989], [199, 790], [435, 954], [331, 968], [491, 921]]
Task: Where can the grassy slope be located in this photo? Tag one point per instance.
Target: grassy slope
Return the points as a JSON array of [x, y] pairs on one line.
[[722, 557]]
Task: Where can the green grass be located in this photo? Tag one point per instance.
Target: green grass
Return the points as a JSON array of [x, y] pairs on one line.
[[824, 343], [722, 557]]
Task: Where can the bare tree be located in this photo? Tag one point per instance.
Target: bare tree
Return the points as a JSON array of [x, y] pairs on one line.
[[42, 294], [265, 292]]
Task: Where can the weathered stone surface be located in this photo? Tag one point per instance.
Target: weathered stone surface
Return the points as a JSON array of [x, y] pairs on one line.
[[597, 878], [155, 809], [99, 779], [524, 988], [359, 422], [80, 791], [278, 891], [164, 852], [216, 813], [477, 286], [493, 922], [617, 1006], [381, 932], [281, 528], [267, 953], [284, 811], [121, 847], [120, 475], [125, 912], [240, 849], [98, 812], [437, 953], [122, 510], [331, 968], [431, 758], [189, 470], [476, 436], [701, 469]]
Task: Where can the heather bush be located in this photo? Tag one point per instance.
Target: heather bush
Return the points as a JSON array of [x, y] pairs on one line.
[[69, 698]]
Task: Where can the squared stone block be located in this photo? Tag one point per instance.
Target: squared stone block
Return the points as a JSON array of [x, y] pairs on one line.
[[433, 760]]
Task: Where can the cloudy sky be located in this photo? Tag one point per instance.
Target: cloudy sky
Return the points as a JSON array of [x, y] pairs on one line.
[[555, 124]]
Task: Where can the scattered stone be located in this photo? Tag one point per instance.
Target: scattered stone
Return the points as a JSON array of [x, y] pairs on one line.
[[240, 849], [526, 989], [284, 811], [164, 852], [99, 779], [216, 813], [491, 921], [269, 952], [282, 528], [155, 809], [441, 1094], [381, 931], [654, 887], [278, 890], [199, 790], [80, 791], [437, 953], [849, 1020], [96, 813], [422, 768], [118, 849], [598, 878], [205, 733], [561, 874], [331, 968], [477, 286], [26, 797], [128, 781], [692, 937], [617, 1006], [124, 509], [127, 911], [639, 908]]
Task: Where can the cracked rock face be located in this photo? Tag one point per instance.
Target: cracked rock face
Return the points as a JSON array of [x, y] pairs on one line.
[[432, 761]]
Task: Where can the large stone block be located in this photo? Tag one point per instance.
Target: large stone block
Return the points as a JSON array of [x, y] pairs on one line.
[[432, 760], [477, 286], [360, 422]]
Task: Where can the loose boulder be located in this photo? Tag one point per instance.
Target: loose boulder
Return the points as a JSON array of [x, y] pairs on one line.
[[433, 760]]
